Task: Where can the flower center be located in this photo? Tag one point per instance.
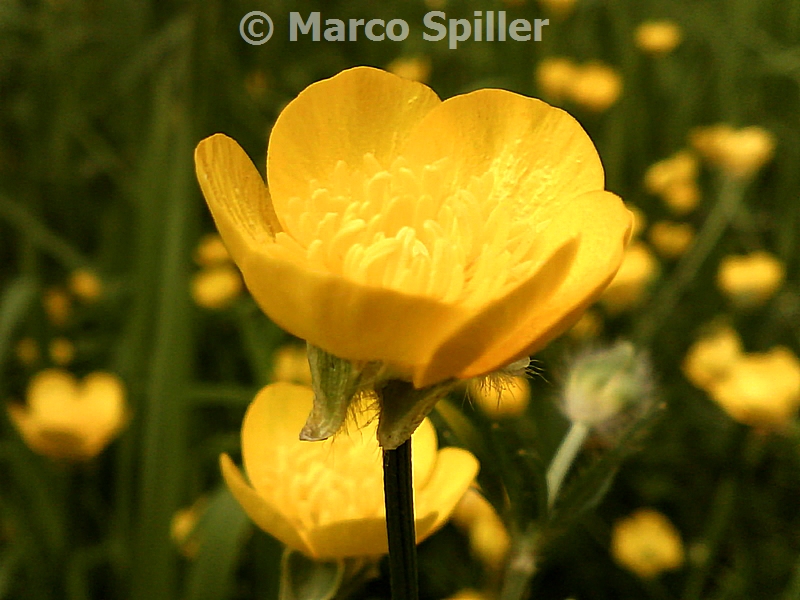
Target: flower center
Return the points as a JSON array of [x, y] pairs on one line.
[[411, 231]]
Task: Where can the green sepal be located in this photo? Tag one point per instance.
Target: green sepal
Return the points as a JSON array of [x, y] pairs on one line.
[[336, 383], [403, 408], [303, 578]]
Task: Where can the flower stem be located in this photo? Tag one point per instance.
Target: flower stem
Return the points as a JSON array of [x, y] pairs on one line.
[[399, 499], [562, 461]]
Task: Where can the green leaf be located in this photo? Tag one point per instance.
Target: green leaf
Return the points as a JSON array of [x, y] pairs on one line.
[[221, 532]]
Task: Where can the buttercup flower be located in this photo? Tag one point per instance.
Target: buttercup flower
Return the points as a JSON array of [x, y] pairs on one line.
[[69, 420], [444, 239], [554, 76], [218, 283], [86, 285], [488, 537], [290, 363], [712, 356], [761, 389], [671, 239], [750, 280], [596, 86], [647, 544], [739, 152], [325, 499], [658, 37], [416, 68], [506, 397], [628, 288], [675, 180]]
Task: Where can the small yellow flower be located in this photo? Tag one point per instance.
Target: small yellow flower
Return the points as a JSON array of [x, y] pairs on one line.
[[712, 356], [505, 397], [488, 538], [589, 326], [62, 351], [86, 285], [211, 251], [57, 305], [65, 419], [560, 8], [738, 152], [554, 77], [415, 68], [629, 286], [216, 287], [183, 525], [671, 239], [658, 37], [750, 280], [290, 364], [675, 180], [762, 390], [596, 86], [445, 239], [325, 499], [647, 544]]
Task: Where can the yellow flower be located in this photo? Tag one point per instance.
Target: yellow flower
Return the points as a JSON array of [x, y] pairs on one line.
[[57, 305], [739, 152], [216, 287], [61, 351], [415, 68], [658, 37], [501, 397], [560, 8], [762, 390], [671, 239], [628, 288], [750, 280], [86, 285], [211, 251], [712, 356], [674, 179], [488, 538], [596, 86], [588, 326], [65, 419], [290, 363], [554, 76], [183, 527], [647, 543], [445, 239], [325, 499]]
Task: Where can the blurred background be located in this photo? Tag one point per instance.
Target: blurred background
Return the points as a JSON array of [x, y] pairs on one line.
[[129, 349]]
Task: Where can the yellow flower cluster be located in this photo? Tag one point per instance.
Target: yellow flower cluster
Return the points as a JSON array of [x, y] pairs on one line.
[[444, 239], [738, 152], [594, 85], [674, 179], [750, 280], [325, 499], [218, 283], [757, 389], [647, 544], [67, 419]]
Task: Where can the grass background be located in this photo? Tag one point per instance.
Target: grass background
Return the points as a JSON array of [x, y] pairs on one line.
[[101, 105]]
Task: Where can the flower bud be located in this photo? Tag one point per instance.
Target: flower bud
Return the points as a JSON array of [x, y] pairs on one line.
[[603, 383], [658, 37]]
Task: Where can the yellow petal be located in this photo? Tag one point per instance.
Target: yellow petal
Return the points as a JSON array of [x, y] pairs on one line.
[[274, 419], [539, 155], [266, 516], [361, 110], [455, 471], [492, 324], [325, 310], [236, 195], [605, 225], [52, 397]]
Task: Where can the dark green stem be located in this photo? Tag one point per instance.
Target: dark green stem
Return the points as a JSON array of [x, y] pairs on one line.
[[399, 498]]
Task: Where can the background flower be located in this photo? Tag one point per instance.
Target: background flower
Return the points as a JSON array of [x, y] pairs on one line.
[[325, 499]]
